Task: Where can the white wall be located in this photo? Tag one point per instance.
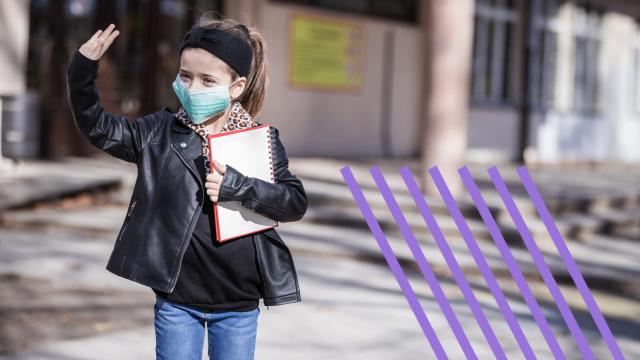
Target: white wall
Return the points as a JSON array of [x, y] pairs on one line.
[[612, 135], [314, 122], [493, 134], [14, 43]]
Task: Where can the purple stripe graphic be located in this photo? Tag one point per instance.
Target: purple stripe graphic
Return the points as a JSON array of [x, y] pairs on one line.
[[511, 263], [393, 263], [531, 245], [475, 251], [574, 271], [426, 269]]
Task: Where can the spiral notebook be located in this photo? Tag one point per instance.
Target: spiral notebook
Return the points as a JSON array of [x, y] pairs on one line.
[[248, 151]]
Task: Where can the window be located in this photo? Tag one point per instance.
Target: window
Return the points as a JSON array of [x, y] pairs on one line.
[[403, 10], [493, 46], [587, 27], [544, 44]]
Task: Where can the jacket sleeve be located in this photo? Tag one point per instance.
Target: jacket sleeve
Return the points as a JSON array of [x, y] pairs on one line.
[[285, 200], [114, 134]]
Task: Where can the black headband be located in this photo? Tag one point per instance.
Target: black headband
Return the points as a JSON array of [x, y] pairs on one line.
[[231, 49]]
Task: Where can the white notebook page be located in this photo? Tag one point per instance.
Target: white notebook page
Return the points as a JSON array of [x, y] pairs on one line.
[[248, 151]]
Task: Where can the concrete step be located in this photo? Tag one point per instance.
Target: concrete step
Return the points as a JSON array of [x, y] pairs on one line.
[[37, 181], [328, 189], [108, 166], [565, 191], [605, 262], [334, 202], [576, 226], [349, 216], [105, 219]]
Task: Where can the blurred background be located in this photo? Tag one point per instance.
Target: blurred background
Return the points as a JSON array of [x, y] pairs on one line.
[[550, 84]]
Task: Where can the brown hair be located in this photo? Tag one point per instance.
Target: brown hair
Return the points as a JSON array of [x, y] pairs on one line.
[[254, 92]]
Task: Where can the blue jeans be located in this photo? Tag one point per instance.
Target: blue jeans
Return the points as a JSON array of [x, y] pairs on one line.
[[180, 332]]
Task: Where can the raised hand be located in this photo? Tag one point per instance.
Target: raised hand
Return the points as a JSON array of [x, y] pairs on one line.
[[95, 47]]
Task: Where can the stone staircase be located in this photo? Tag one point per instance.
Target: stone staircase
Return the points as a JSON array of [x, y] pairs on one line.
[[596, 211]]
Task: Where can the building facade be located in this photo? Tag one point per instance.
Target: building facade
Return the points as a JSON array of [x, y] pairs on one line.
[[550, 80]]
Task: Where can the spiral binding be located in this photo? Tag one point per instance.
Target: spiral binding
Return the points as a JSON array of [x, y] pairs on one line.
[[273, 175]]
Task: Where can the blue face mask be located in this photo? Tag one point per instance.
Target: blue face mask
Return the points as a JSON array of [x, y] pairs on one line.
[[202, 104]]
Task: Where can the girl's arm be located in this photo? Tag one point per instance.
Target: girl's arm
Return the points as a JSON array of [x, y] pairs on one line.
[[286, 200], [112, 133]]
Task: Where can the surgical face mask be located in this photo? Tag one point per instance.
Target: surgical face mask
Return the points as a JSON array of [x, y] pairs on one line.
[[202, 104]]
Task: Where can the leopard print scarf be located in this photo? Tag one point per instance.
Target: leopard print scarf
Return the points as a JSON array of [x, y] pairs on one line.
[[239, 118]]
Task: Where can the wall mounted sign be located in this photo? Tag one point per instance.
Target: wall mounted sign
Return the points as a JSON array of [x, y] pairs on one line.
[[325, 53]]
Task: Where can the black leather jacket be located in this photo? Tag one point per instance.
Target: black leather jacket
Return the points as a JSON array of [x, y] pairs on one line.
[[168, 192]]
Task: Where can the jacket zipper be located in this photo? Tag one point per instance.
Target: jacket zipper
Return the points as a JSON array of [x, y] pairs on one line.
[[174, 281], [133, 205], [127, 218]]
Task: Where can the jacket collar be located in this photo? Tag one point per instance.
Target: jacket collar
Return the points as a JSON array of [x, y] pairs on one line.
[[179, 127], [186, 145]]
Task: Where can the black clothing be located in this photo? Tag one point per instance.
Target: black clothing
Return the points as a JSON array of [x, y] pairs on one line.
[[216, 276], [160, 220]]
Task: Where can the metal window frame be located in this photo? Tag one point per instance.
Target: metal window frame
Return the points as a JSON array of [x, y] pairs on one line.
[[494, 42], [587, 29], [544, 45]]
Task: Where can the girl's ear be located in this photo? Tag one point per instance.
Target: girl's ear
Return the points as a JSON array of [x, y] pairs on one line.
[[238, 88]]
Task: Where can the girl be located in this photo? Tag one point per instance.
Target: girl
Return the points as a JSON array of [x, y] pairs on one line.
[[166, 241]]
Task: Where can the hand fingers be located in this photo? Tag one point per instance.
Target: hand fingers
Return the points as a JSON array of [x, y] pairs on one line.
[[212, 192], [105, 35], [90, 48], [219, 167], [95, 36], [212, 184], [110, 39], [214, 177], [98, 44]]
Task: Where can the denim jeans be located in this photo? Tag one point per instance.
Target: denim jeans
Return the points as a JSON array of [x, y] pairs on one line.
[[180, 331]]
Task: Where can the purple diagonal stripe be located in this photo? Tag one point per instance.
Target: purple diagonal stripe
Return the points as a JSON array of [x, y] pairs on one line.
[[478, 257], [512, 264], [393, 263], [457, 272], [574, 271], [425, 267], [538, 259]]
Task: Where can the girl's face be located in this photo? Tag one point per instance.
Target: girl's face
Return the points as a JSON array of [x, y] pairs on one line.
[[200, 69]]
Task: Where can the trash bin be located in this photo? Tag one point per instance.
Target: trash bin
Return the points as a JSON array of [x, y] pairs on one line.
[[20, 124]]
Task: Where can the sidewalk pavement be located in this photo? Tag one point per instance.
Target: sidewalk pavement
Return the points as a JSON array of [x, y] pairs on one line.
[[350, 310], [58, 302]]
